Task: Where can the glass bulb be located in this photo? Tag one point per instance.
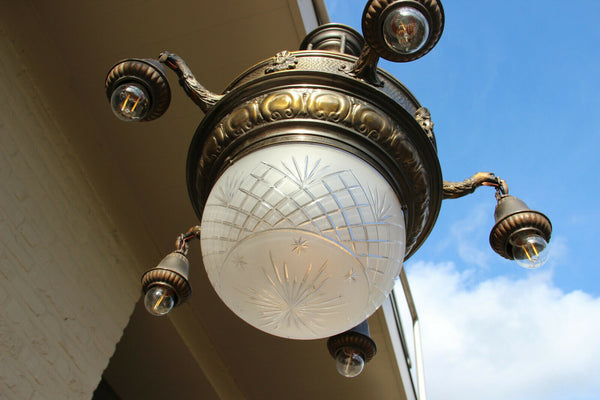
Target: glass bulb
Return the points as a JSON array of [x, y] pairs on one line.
[[159, 300], [349, 363], [130, 102], [529, 249], [405, 30]]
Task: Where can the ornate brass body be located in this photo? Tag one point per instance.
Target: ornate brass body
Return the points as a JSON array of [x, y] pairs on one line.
[[308, 96]]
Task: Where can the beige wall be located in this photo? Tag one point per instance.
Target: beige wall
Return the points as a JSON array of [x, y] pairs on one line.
[[61, 310]]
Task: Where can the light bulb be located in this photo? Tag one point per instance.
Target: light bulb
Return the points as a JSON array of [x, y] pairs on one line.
[[405, 30], [529, 249], [159, 300], [349, 363], [130, 102]]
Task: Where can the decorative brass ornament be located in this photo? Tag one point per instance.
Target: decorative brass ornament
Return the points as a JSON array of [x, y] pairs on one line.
[[282, 61], [423, 117]]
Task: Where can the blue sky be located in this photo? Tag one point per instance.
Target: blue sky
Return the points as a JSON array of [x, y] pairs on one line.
[[513, 88]]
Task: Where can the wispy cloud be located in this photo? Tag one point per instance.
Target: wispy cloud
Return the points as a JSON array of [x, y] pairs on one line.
[[505, 339]]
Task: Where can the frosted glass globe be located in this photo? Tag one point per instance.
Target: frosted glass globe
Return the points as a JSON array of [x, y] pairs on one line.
[[302, 241]]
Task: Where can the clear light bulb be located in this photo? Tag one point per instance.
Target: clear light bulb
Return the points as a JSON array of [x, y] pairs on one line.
[[405, 30], [159, 300], [130, 102], [529, 249], [349, 363]]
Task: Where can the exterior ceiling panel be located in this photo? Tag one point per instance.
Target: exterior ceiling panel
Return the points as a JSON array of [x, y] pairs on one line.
[[139, 172]]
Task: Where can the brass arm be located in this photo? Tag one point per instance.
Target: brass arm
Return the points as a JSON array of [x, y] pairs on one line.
[[365, 67], [204, 98], [181, 244], [454, 190]]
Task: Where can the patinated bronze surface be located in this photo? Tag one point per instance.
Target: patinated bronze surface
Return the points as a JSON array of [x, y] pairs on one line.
[[454, 190], [204, 98]]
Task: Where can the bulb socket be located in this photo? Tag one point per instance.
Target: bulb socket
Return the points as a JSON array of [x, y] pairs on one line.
[[148, 73], [514, 217], [173, 272], [357, 339]]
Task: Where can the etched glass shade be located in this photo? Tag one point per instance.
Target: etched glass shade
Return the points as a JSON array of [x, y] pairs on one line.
[[302, 241]]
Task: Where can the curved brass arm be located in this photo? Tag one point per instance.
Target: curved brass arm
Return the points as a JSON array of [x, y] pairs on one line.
[[365, 67], [181, 244], [204, 98], [454, 190]]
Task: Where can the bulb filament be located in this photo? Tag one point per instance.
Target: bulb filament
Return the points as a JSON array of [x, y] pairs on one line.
[[160, 300], [125, 102], [527, 253], [135, 105]]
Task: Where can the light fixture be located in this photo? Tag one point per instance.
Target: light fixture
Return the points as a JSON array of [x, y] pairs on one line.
[[520, 233], [314, 176], [402, 30], [166, 285], [352, 349], [138, 90]]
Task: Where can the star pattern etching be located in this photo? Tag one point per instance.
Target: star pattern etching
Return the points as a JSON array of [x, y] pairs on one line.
[[290, 301], [240, 263], [299, 246], [379, 205], [351, 276], [305, 174]]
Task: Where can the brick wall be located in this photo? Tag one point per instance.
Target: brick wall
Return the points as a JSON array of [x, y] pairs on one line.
[[61, 310]]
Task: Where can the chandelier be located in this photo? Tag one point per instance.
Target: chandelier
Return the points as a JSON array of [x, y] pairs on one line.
[[314, 176]]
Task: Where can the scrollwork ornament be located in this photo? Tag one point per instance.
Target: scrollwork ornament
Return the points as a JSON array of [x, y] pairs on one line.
[[328, 107], [281, 105], [370, 122]]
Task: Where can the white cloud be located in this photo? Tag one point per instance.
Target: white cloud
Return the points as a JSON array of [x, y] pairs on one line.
[[505, 339]]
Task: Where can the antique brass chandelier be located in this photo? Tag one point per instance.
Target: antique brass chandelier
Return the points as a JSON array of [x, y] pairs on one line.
[[314, 176]]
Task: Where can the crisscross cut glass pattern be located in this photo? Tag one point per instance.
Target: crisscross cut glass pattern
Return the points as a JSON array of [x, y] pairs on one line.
[[301, 240]]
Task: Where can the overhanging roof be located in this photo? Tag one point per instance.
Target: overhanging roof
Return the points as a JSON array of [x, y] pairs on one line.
[[139, 172]]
